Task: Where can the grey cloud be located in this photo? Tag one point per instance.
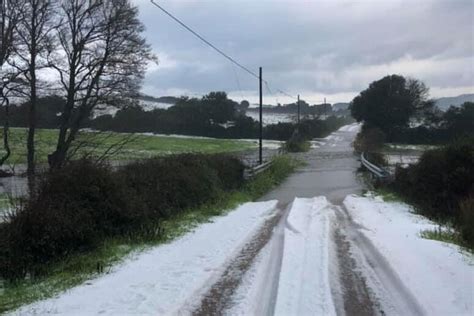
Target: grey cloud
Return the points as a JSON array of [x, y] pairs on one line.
[[312, 46]]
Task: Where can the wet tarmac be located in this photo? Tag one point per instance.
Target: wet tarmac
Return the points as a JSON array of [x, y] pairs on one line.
[[330, 171]]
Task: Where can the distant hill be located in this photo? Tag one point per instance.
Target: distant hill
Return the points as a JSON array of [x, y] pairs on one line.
[[444, 103], [166, 99], [150, 103]]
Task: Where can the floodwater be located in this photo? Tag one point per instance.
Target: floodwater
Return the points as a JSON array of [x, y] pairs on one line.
[[331, 171]]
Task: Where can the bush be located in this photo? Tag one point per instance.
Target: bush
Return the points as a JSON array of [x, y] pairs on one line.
[[161, 186], [77, 207], [72, 210], [440, 179], [467, 220], [230, 170], [297, 143], [441, 184], [369, 140]]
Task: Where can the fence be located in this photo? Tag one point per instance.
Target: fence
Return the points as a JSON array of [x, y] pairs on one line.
[[375, 170]]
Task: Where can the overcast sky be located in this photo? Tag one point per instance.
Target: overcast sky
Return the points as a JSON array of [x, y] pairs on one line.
[[318, 49]]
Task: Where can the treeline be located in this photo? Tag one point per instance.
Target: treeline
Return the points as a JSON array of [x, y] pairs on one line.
[[440, 128], [213, 115], [401, 109]]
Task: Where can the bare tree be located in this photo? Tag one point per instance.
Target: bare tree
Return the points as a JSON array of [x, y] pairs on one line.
[[101, 61], [10, 14], [99, 146], [33, 41]]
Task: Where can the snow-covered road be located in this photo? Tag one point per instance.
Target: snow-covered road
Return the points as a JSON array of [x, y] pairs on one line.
[[292, 274], [311, 247]]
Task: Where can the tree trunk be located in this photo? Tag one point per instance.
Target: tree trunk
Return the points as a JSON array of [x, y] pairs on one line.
[[30, 145], [6, 128]]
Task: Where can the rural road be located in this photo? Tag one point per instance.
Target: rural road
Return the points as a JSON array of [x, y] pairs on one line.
[[312, 246], [331, 173]]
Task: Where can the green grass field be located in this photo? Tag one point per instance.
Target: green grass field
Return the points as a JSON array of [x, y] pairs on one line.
[[134, 146]]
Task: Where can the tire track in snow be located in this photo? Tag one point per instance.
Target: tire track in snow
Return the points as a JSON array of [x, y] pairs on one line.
[[304, 285], [349, 287], [218, 297], [380, 276]]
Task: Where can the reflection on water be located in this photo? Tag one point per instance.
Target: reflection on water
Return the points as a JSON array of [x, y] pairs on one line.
[[331, 171]]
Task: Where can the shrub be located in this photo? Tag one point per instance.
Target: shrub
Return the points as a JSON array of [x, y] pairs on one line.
[[164, 185], [369, 140], [441, 184], [77, 207], [297, 143], [230, 170], [467, 220], [72, 210]]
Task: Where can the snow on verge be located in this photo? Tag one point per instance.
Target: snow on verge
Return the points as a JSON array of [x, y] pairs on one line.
[[303, 288], [438, 275], [166, 278]]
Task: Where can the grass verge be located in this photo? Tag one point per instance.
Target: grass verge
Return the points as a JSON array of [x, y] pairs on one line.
[[445, 231], [79, 268], [446, 234]]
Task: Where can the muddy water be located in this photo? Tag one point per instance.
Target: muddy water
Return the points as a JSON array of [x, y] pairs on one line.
[[330, 171]]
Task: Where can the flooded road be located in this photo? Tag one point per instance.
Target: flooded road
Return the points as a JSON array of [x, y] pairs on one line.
[[330, 170]]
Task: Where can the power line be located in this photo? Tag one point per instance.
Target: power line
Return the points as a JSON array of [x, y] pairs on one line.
[[215, 48], [204, 40]]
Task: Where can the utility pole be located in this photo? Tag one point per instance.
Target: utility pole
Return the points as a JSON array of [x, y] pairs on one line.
[[260, 160], [298, 108], [325, 110]]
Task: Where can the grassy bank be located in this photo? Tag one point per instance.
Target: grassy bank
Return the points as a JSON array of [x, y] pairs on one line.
[[80, 267], [446, 231], [132, 146]]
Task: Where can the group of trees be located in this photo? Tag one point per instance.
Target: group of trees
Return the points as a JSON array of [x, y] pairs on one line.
[[400, 108], [89, 53], [213, 115]]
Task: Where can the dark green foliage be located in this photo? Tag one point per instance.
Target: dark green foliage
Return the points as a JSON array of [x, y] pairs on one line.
[[467, 220], [75, 208], [369, 140], [48, 108], [72, 210], [297, 143], [440, 181], [214, 115], [161, 186], [457, 122], [230, 170], [390, 103]]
